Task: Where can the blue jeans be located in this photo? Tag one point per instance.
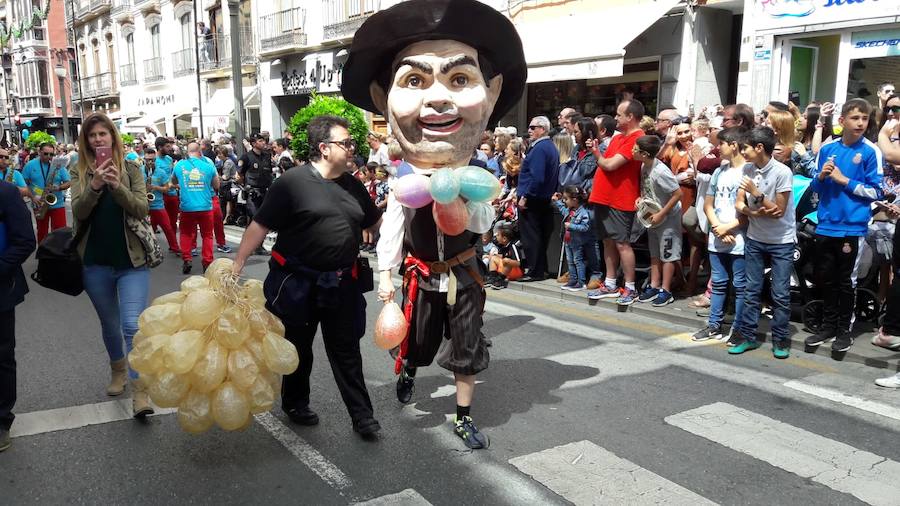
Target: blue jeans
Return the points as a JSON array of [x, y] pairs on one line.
[[581, 257], [782, 256], [725, 268], [119, 297]]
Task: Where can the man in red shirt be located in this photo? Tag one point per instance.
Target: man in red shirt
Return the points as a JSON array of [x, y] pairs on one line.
[[615, 191]]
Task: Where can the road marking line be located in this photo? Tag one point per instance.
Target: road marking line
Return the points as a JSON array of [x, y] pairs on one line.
[[236, 239], [836, 465], [305, 453], [408, 497], [848, 400], [584, 473], [75, 417]]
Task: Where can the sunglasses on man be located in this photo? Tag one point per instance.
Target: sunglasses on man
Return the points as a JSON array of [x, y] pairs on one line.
[[346, 143]]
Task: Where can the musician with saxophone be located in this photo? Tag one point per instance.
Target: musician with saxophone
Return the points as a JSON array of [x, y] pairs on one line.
[[11, 175], [47, 182], [157, 183]]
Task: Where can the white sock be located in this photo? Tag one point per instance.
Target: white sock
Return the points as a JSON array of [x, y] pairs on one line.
[[610, 283], [629, 285]]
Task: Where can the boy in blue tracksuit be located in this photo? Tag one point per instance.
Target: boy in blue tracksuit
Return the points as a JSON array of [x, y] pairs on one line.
[[848, 179]]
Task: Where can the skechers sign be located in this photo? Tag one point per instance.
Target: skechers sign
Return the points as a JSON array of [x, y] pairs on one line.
[[875, 44], [785, 13]]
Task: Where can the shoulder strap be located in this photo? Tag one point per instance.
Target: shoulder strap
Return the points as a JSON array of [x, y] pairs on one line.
[[82, 230]]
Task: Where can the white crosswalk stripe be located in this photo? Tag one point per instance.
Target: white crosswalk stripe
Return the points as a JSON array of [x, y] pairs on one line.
[[841, 467], [584, 473], [408, 497]]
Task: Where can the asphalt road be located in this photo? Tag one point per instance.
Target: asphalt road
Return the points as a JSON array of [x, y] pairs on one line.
[[582, 406]]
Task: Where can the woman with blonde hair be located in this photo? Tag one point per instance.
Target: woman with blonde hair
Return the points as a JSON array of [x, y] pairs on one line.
[[784, 124], [116, 274]]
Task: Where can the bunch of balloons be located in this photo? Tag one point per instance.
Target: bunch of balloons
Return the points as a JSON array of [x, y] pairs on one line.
[[213, 351], [447, 188]]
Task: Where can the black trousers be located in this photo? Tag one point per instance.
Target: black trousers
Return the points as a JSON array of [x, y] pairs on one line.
[[7, 367], [836, 259], [891, 323], [536, 226], [341, 335]]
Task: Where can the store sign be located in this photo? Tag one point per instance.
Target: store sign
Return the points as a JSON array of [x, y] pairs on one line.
[[875, 44], [317, 72], [148, 101], [787, 13]]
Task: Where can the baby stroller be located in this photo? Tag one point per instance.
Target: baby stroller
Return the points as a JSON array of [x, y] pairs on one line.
[[806, 298], [242, 195]]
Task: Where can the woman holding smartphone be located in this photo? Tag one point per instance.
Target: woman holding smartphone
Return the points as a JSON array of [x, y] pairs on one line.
[[106, 187]]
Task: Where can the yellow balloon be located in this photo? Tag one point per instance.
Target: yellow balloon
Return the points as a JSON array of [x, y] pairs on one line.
[[201, 308], [232, 328], [230, 407], [242, 368], [195, 413], [261, 395], [169, 298], [162, 319], [168, 389], [280, 354], [210, 370], [183, 350]]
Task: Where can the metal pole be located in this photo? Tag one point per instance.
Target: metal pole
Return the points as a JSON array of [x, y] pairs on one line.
[[65, 108], [197, 69], [234, 27], [77, 68], [9, 119]]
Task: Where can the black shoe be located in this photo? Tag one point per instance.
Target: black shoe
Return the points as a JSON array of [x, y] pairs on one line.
[[822, 337], [528, 278], [366, 427], [489, 279], [488, 342], [302, 416], [405, 386], [735, 338], [842, 342], [186, 268], [466, 430]]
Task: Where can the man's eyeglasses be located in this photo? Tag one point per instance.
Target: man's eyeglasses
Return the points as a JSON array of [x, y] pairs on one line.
[[46, 153], [346, 143], [532, 127], [4, 157]]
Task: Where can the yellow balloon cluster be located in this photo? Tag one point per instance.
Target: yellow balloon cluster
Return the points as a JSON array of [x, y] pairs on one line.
[[213, 351]]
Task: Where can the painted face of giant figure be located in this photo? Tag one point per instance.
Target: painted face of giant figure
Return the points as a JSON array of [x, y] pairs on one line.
[[438, 103]]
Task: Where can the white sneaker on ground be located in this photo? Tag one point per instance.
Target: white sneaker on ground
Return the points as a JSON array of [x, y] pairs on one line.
[[889, 382], [886, 340]]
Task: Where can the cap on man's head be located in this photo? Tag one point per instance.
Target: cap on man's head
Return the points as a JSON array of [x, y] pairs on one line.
[[386, 33]]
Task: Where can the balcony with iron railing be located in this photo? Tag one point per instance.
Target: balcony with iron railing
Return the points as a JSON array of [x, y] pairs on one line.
[[127, 75], [145, 4], [282, 30], [100, 85], [121, 8], [153, 70], [183, 62], [341, 18], [100, 6], [215, 53], [82, 9]]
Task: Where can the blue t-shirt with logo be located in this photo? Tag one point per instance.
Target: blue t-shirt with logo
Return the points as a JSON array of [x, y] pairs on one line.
[[17, 178], [195, 177], [166, 163], [159, 178], [35, 174]]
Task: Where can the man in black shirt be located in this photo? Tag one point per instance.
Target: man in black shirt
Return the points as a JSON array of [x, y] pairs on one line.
[[319, 212]]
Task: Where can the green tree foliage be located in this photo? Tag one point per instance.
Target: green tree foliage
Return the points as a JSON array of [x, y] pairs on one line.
[[35, 139], [127, 139], [320, 106]]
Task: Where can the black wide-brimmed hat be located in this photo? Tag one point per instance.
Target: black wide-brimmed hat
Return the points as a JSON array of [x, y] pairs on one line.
[[386, 33]]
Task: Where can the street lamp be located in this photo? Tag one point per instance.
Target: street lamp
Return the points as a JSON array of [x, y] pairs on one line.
[[61, 74]]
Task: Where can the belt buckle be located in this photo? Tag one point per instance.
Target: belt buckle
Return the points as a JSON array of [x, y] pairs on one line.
[[440, 267]]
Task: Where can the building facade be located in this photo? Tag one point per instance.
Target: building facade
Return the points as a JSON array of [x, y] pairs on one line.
[[37, 66]]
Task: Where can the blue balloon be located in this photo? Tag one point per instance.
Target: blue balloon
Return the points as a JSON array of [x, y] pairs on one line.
[[28, 123], [25, 134], [477, 184], [444, 186]]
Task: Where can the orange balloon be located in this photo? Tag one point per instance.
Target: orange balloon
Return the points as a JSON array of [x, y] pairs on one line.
[[451, 218], [390, 327]]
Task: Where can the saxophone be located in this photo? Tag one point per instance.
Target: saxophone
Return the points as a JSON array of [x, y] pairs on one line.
[[48, 199], [9, 174], [150, 196]]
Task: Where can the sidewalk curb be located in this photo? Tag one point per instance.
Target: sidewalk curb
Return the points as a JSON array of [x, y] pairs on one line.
[[679, 317]]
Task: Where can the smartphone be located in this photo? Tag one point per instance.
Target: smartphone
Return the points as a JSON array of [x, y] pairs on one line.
[[102, 154], [881, 204]]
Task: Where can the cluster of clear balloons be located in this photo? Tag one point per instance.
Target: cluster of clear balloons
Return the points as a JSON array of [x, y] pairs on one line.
[[213, 351]]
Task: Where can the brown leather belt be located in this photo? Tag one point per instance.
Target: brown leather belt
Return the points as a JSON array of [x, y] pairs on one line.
[[443, 267]]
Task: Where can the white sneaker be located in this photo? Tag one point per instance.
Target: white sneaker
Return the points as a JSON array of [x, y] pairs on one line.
[[886, 340], [889, 382]]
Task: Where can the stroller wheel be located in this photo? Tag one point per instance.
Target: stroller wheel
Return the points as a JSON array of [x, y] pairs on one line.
[[242, 221], [867, 307], [812, 315]]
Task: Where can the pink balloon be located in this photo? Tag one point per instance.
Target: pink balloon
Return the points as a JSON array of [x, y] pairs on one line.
[[413, 191], [451, 218], [390, 327]]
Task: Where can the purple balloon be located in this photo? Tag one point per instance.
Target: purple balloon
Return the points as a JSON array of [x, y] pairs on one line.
[[413, 191]]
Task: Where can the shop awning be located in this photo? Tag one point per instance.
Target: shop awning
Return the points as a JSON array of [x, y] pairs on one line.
[[141, 122], [551, 59]]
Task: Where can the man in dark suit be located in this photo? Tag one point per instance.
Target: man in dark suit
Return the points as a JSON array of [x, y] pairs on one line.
[[16, 245]]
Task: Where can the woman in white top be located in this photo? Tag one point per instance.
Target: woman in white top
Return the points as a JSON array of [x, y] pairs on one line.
[[378, 150], [281, 156]]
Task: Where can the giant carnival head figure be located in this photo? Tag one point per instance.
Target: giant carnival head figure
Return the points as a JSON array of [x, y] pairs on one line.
[[440, 71]]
